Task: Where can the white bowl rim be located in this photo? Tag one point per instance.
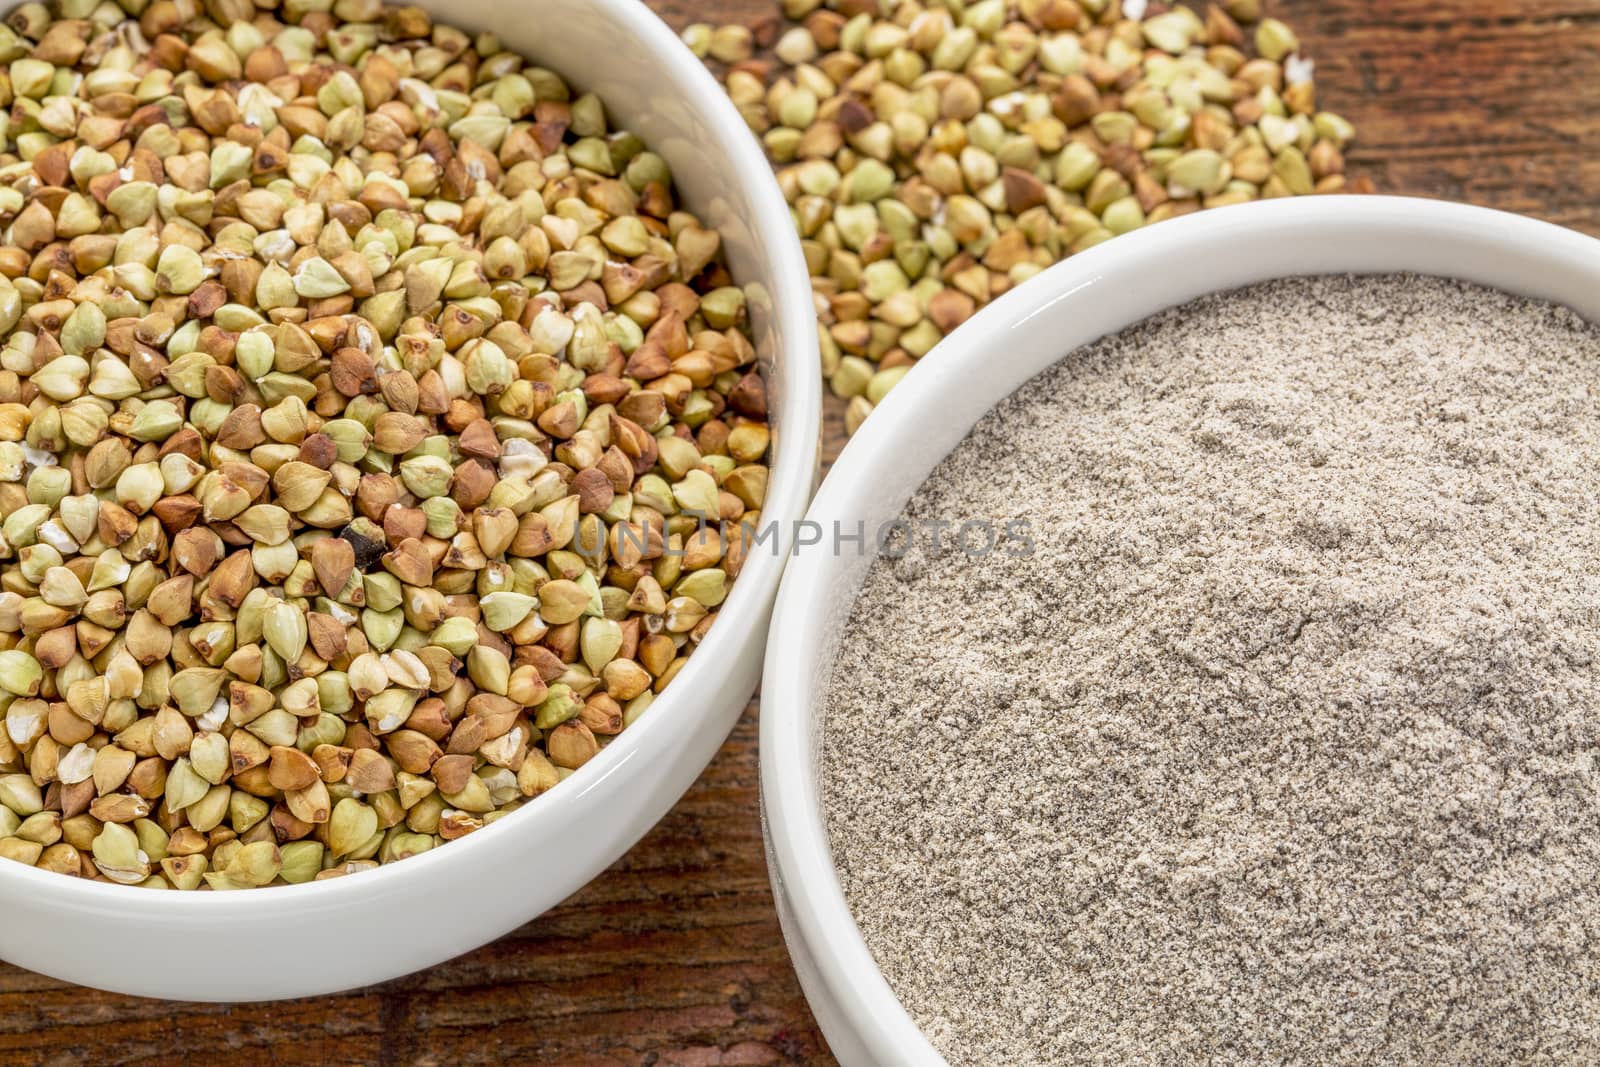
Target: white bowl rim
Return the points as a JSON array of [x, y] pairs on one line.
[[790, 481], [803, 871]]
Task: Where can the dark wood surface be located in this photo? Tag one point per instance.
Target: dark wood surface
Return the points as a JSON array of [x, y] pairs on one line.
[[673, 957]]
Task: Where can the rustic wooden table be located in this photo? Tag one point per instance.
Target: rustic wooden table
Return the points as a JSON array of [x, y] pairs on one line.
[[673, 957]]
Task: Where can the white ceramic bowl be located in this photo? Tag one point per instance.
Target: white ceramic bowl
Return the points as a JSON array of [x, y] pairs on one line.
[[323, 936], [1089, 296]]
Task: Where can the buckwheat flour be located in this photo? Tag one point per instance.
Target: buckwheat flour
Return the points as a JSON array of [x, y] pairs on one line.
[[1280, 747]]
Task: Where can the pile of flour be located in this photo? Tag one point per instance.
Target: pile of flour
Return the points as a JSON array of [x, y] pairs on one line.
[[1280, 745]]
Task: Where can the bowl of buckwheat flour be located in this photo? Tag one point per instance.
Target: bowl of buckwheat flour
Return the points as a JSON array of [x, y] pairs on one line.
[[1196, 659]]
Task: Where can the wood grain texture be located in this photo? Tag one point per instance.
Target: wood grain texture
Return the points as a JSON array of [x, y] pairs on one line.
[[673, 957]]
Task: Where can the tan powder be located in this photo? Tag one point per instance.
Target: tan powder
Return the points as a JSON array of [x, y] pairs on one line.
[[1280, 747]]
